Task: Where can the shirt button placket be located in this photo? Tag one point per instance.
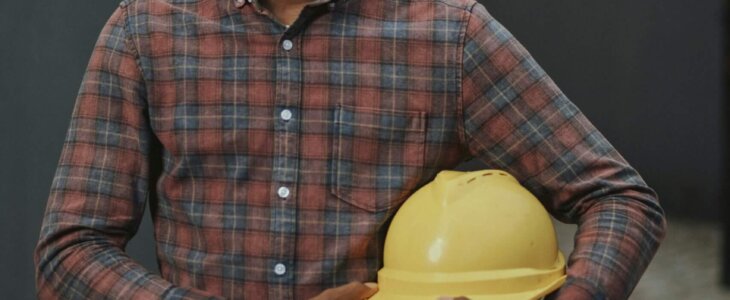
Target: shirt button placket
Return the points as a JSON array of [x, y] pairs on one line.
[[287, 110]]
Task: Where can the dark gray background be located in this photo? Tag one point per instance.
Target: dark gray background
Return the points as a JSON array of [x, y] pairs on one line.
[[647, 73]]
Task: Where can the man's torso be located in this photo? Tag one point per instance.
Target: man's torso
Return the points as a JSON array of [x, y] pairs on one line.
[[287, 151]]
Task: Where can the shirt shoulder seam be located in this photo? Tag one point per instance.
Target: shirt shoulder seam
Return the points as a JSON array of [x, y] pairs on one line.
[[131, 43]]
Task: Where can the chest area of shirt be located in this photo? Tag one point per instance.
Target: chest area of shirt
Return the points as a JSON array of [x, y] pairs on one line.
[[213, 84]]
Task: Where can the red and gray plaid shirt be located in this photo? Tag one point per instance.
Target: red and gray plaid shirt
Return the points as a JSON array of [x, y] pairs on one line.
[[274, 156]]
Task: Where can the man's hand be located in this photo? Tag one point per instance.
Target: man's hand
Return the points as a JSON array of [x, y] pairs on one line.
[[351, 291]]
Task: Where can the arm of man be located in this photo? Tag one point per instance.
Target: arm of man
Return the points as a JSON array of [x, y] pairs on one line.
[[514, 117], [99, 189]]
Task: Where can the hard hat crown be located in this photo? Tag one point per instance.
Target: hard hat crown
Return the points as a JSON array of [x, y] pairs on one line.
[[479, 234]]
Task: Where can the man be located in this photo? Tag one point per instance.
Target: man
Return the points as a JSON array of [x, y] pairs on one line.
[[289, 132]]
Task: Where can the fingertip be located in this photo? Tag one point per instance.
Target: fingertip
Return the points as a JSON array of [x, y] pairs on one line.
[[373, 289], [372, 285]]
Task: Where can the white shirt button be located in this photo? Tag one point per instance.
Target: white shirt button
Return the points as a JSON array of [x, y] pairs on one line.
[[287, 45], [283, 192], [279, 269], [286, 115]]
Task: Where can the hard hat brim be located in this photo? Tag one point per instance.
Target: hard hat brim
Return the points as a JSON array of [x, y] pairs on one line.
[[524, 295], [508, 284]]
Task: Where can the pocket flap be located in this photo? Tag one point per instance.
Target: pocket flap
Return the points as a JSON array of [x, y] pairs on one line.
[[377, 155]]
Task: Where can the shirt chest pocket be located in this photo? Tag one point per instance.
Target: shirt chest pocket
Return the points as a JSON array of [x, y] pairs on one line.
[[377, 155]]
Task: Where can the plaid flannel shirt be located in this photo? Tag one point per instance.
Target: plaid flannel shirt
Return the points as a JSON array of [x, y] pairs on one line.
[[274, 156]]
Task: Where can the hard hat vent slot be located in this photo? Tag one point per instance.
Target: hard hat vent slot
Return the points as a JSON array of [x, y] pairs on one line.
[[487, 174], [502, 174], [470, 180]]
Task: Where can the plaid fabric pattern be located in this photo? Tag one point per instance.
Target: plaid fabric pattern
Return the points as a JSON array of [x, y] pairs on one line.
[[273, 157]]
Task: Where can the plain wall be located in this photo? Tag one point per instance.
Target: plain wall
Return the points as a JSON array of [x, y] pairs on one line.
[[647, 73]]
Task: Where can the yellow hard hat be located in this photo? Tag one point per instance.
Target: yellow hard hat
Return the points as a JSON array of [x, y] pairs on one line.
[[476, 234]]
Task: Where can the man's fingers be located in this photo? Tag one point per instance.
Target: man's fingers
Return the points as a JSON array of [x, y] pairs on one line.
[[351, 291], [372, 289], [358, 290]]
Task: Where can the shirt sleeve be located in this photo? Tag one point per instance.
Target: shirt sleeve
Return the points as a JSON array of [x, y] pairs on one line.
[[99, 189], [514, 117]]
